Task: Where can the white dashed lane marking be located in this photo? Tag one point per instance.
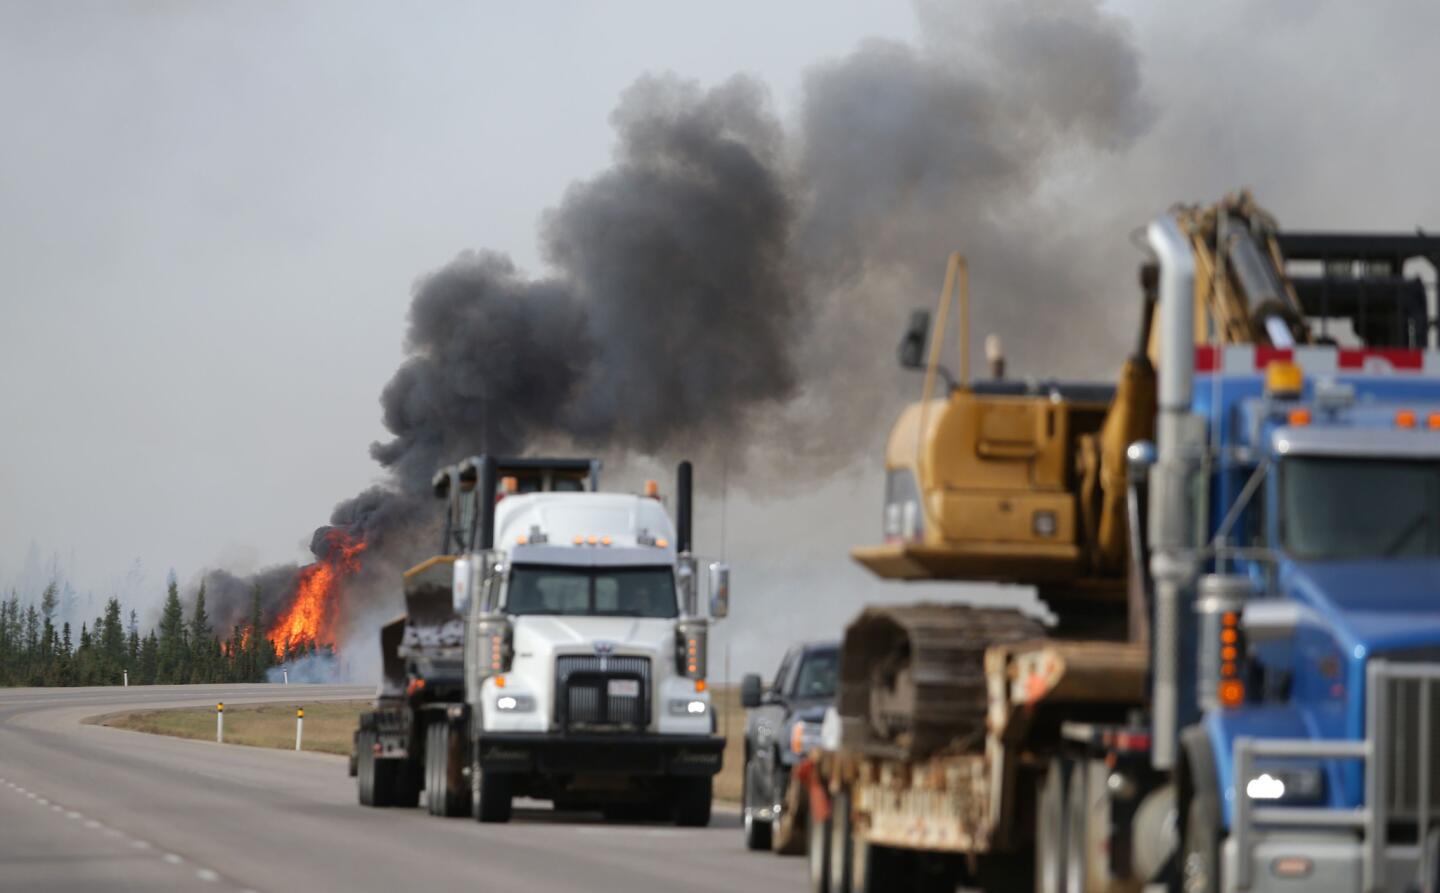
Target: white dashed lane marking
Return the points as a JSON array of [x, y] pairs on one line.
[[208, 875]]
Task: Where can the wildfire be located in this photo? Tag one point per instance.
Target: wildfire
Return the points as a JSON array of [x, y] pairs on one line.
[[311, 615]]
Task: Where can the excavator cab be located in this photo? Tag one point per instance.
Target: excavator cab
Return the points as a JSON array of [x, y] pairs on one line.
[[999, 480]]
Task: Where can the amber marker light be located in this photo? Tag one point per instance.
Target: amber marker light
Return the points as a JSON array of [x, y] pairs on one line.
[[1232, 693]]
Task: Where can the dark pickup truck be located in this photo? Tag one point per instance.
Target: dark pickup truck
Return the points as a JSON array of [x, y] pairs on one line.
[[782, 724]]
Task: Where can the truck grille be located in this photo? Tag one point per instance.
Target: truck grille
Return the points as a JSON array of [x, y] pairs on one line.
[[1408, 746], [584, 693]]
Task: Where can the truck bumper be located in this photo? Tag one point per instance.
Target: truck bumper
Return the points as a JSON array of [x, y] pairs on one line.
[[657, 755], [1288, 861]]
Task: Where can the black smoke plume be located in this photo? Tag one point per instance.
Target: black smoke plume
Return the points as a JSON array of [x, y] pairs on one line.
[[730, 288]]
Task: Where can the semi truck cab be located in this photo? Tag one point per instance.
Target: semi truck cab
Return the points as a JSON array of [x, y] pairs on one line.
[[1318, 632], [586, 661]]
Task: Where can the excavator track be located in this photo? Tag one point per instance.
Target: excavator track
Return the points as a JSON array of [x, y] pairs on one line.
[[912, 677]]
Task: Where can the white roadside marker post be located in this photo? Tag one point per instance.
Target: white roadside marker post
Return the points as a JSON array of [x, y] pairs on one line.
[[287, 675], [126, 675], [220, 723], [299, 725]]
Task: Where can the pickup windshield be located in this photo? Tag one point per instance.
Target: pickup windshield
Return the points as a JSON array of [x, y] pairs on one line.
[[818, 674], [598, 591], [1360, 508]]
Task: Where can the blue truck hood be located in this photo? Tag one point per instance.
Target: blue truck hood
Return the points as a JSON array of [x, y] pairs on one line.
[[1375, 605]]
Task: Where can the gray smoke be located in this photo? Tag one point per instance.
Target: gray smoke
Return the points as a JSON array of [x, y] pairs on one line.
[[729, 289], [667, 317]]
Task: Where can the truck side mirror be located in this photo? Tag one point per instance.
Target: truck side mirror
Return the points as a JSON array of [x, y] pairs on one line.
[[750, 687], [463, 586], [719, 590], [912, 345]]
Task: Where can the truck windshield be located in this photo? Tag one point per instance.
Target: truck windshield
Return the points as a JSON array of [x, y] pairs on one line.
[[599, 591], [1336, 508]]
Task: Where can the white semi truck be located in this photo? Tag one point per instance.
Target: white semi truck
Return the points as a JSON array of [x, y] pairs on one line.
[[556, 651]]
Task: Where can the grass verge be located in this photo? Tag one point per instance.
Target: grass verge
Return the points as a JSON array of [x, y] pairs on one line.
[[329, 725]]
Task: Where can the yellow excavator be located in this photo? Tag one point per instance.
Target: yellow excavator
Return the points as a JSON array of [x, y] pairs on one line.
[[1025, 482]]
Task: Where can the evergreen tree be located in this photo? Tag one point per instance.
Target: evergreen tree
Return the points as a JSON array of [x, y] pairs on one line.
[[85, 658], [31, 646], [132, 643], [202, 660], [48, 638], [258, 651], [112, 644], [173, 651], [66, 669], [149, 659]]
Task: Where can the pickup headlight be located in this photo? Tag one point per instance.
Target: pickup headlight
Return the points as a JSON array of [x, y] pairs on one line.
[[509, 702], [1295, 785], [804, 736], [688, 707]]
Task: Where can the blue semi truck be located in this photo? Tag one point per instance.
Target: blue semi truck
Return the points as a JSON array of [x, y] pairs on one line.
[[1232, 682]]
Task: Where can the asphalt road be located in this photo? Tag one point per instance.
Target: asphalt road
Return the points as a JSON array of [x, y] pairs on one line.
[[84, 807]]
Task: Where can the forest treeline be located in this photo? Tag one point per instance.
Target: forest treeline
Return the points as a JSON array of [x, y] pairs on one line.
[[35, 651]]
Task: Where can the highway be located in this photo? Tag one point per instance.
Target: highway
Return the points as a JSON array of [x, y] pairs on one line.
[[85, 807]]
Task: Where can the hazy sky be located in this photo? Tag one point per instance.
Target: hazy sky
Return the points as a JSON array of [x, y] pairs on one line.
[[211, 217]]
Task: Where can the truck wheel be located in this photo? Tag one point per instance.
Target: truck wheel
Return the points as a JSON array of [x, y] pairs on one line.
[[1050, 829], [365, 767], [757, 831], [1077, 836], [448, 795], [691, 804], [818, 852], [492, 796], [1199, 815], [842, 844], [1087, 810]]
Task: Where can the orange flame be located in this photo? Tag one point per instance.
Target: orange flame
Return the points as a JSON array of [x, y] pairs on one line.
[[311, 615]]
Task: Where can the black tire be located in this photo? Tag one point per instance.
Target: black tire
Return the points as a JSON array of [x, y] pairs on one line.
[[492, 793], [842, 845], [447, 795], [1199, 815], [817, 853], [757, 830], [691, 801], [365, 768], [1077, 851], [1050, 829]]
